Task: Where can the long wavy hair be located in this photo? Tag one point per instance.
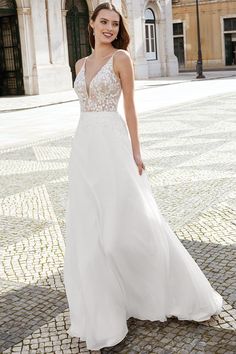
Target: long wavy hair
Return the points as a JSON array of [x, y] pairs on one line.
[[123, 37]]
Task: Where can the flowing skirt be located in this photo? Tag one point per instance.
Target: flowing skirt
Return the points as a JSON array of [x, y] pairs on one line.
[[122, 259]]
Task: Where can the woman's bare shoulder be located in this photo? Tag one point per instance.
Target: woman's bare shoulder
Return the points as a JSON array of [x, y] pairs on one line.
[[122, 54], [122, 60]]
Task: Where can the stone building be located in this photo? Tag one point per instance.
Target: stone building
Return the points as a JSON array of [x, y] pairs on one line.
[[40, 41], [218, 33]]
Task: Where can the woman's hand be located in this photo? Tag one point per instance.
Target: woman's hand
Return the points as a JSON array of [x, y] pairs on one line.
[[139, 163]]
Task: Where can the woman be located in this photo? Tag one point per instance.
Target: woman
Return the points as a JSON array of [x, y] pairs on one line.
[[121, 259]]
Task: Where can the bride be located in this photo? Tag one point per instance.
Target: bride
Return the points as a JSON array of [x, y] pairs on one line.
[[122, 259]]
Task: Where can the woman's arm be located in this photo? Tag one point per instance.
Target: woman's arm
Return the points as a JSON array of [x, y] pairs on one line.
[[125, 70], [123, 67]]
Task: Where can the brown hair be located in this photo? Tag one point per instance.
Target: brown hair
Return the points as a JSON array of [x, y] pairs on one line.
[[123, 38]]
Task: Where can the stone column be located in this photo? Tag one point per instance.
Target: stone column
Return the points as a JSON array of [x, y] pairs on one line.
[[27, 51], [162, 47], [40, 32], [58, 49], [41, 48], [55, 32], [171, 60], [52, 70], [138, 40], [65, 42]]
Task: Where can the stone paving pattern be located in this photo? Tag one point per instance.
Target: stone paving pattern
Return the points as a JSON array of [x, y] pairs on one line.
[[190, 158]]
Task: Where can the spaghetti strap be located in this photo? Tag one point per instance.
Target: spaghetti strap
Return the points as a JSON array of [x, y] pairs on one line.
[[82, 67], [118, 50], [112, 61], [85, 58]]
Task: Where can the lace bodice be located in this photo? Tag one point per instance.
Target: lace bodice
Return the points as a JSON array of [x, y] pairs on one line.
[[104, 89]]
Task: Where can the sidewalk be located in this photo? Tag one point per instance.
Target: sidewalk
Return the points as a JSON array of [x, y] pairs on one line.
[[26, 102]]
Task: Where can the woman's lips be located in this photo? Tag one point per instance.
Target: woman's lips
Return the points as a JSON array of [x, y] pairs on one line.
[[108, 35]]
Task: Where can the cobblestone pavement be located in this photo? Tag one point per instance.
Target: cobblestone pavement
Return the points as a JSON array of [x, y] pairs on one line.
[[190, 158]]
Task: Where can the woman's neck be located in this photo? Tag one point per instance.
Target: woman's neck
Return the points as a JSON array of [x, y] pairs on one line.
[[101, 52]]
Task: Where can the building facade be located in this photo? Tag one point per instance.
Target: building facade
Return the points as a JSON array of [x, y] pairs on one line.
[[218, 33], [40, 41]]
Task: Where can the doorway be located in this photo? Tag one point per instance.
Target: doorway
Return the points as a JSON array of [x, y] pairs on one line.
[[230, 50], [11, 72], [230, 40], [178, 36], [77, 20], [179, 50]]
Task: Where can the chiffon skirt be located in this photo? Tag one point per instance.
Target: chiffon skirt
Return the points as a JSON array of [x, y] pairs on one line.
[[121, 258]]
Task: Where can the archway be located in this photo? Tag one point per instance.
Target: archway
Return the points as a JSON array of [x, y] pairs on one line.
[[11, 72], [77, 20]]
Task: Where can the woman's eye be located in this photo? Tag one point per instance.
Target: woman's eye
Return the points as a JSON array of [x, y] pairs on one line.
[[103, 21]]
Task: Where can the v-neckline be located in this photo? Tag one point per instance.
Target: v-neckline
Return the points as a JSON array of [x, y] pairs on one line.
[[87, 87]]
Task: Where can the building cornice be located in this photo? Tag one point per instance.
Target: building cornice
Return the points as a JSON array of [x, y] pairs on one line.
[[179, 3]]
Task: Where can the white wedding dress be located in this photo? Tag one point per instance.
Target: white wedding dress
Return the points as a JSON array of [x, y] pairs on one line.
[[121, 259]]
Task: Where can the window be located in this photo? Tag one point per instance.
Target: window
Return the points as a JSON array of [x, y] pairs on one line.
[[178, 29], [150, 35], [230, 24]]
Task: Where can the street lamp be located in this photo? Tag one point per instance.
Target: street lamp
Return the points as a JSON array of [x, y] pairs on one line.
[[199, 60]]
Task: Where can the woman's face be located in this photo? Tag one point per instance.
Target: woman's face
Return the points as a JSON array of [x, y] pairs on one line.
[[106, 26]]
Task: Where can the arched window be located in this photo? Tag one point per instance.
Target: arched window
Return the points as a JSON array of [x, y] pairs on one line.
[[150, 35]]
